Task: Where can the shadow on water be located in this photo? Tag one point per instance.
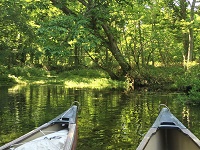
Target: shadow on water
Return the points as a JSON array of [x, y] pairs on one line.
[[108, 119]]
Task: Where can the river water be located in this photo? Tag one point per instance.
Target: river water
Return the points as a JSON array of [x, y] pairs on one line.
[[108, 118]]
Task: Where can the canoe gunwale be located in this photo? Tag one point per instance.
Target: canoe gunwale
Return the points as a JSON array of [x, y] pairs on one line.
[[27, 135], [146, 138], [69, 144], [153, 131], [192, 136], [167, 121], [68, 123]]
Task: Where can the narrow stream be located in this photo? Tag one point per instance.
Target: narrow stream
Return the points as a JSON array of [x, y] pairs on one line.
[[108, 118]]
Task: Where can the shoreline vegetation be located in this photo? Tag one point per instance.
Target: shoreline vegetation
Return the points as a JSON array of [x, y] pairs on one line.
[[73, 79], [79, 45], [172, 79]]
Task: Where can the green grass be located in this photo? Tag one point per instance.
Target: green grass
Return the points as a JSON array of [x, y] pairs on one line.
[[173, 78], [93, 83], [85, 78], [88, 78]]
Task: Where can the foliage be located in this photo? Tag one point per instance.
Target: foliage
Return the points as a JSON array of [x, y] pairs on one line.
[[85, 78], [28, 72], [21, 75], [89, 78], [17, 33], [191, 78], [68, 33], [89, 73], [119, 37], [156, 77], [5, 79], [98, 83]]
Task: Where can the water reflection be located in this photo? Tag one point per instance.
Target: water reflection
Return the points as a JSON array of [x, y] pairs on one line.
[[108, 119]]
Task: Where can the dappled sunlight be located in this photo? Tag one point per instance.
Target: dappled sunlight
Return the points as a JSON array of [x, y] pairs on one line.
[[95, 83], [16, 88], [17, 79], [186, 115]]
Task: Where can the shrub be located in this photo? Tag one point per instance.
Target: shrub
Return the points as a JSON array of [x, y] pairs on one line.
[[28, 72], [89, 73], [156, 77], [191, 78]]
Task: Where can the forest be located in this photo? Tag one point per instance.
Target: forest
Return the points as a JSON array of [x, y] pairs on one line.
[[142, 42]]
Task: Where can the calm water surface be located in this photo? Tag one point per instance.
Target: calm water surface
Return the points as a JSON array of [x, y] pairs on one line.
[[108, 119]]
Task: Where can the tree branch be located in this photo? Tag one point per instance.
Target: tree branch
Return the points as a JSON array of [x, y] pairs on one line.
[[65, 10], [108, 70]]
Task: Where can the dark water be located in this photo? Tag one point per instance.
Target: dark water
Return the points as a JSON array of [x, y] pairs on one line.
[[108, 119]]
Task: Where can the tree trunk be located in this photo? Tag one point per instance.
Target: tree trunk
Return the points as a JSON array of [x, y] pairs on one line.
[[141, 42], [112, 75], [125, 67], [183, 15], [76, 56], [191, 34]]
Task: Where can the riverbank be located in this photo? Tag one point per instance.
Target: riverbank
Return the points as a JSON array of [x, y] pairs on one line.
[[73, 79], [173, 79]]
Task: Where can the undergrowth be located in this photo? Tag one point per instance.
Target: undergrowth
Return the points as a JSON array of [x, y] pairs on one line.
[[174, 78]]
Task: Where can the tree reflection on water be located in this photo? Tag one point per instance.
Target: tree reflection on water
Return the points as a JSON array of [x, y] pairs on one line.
[[108, 119]]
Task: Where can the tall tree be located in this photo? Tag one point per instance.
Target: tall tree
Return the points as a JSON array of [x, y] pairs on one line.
[[191, 33], [99, 25]]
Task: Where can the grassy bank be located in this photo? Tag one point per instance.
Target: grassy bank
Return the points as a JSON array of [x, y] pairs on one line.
[[85, 78], [174, 78]]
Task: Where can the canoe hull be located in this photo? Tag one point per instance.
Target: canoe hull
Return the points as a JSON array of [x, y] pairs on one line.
[[167, 133], [169, 139], [66, 123]]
